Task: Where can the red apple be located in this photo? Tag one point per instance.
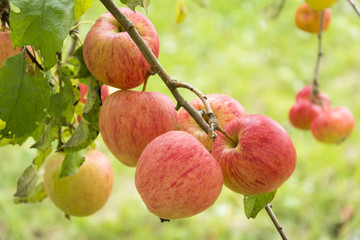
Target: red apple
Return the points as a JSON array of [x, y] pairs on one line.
[[129, 120], [84, 89], [260, 160], [333, 125], [111, 55], [6, 47], [309, 20], [302, 114], [306, 94], [85, 192], [224, 107], [177, 177]]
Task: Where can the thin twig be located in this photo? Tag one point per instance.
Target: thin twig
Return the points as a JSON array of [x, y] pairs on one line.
[[315, 85], [356, 7], [275, 221], [279, 9], [155, 64]]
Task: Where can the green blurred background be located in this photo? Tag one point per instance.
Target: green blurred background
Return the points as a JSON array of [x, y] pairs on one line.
[[230, 47]]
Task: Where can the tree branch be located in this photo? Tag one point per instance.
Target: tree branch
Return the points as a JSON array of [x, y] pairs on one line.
[[279, 9], [356, 8], [156, 66], [315, 85], [275, 221]]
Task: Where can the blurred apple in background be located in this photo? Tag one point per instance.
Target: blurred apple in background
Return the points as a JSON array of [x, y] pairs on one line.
[[177, 177], [262, 158], [320, 5], [84, 89], [309, 20], [224, 107]]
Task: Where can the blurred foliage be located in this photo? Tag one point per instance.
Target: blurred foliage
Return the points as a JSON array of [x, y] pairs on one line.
[[231, 48]]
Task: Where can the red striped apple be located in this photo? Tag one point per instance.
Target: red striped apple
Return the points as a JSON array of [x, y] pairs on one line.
[[111, 55], [177, 177], [224, 107], [6, 47], [129, 120], [333, 125], [262, 158], [309, 20], [84, 89], [85, 192]]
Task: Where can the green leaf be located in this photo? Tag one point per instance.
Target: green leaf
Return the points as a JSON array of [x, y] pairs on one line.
[[47, 137], [41, 157], [181, 11], [83, 71], [81, 6], [43, 24], [26, 182], [71, 163], [62, 102], [36, 195], [88, 128], [255, 203], [132, 4], [23, 98]]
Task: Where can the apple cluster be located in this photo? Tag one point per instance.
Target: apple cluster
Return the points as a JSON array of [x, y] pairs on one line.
[[312, 110], [308, 18], [179, 171]]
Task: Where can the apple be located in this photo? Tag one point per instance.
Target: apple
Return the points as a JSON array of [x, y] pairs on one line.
[[84, 89], [177, 177], [262, 158], [333, 126], [306, 94], [224, 107], [302, 113], [85, 192], [6, 47], [309, 20], [320, 5], [111, 55], [129, 120]]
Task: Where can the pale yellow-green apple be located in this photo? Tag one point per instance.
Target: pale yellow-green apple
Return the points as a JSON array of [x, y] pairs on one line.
[[309, 20], [111, 55], [307, 107], [177, 177], [334, 125], [85, 192], [320, 4], [6, 47], [260, 160], [224, 107], [129, 120]]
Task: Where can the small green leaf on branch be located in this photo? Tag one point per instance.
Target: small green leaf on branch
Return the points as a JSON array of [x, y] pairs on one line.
[[26, 182], [88, 129], [132, 4], [81, 6], [71, 163], [253, 204], [83, 71], [23, 98], [43, 24], [36, 195], [44, 142]]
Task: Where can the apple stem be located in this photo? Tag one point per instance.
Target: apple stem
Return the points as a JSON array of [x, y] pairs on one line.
[[227, 135], [275, 221], [356, 8], [157, 67], [315, 86], [278, 10]]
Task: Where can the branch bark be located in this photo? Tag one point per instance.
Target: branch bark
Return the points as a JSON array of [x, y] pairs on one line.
[[356, 7], [275, 221], [157, 68]]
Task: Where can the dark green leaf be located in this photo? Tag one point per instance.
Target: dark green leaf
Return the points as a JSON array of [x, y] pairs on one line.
[[88, 128], [36, 195], [62, 102], [23, 98], [47, 137], [71, 163], [255, 203], [132, 4], [43, 24], [83, 71], [41, 157]]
